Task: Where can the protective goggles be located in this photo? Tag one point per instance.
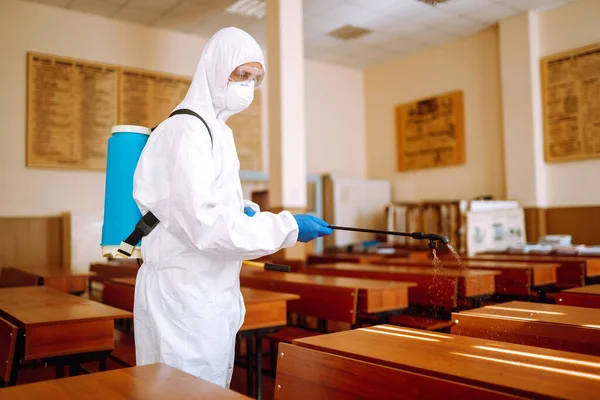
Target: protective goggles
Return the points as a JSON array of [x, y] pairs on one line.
[[247, 74]]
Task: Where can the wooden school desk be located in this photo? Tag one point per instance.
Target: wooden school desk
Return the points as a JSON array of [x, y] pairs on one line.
[[438, 288], [54, 325], [518, 279], [332, 295], [355, 258], [401, 363], [585, 296], [266, 312], [550, 326], [55, 277], [574, 271], [150, 382]]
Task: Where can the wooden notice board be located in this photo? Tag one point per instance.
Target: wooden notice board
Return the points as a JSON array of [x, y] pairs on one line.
[[571, 102], [246, 129], [430, 132], [73, 104], [147, 98], [71, 107]]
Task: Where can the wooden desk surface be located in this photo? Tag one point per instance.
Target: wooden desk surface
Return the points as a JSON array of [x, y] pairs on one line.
[[548, 313], [149, 382], [516, 278], [412, 270], [250, 295], [440, 288], [41, 305], [262, 296], [551, 326], [48, 271], [124, 281], [446, 263], [484, 363], [333, 281], [593, 290], [584, 296]]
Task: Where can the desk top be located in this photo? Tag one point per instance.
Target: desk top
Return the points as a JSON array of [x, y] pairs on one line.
[[250, 295], [155, 381], [480, 362], [472, 264], [527, 257], [413, 270], [51, 271], [41, 305], [262, 296], [309, 279], [549, 313], [124, 281], [593, 290]]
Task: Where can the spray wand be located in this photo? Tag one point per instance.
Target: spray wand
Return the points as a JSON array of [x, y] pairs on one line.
[[432, 237]]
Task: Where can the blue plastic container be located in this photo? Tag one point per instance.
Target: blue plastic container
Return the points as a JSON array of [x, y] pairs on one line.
[[121, 213]]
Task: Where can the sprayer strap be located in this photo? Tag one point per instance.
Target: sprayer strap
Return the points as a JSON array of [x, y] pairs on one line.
[[144, 226], [149, 221], [185, 111]]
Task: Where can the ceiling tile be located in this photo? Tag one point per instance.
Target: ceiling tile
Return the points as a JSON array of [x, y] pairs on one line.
[[403, 28], [220, 4], [156, 5], [464, 6], [374, 5], [492, 13], [55, 3], [137, 15], [340, 16], [318, 7], [433, 16], [191, 10], [524, 5], [98, 7], [224, 20], [402, 45], [176, 24], [459, 25]]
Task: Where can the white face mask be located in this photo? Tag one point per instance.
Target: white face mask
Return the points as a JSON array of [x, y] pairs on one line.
[[240, 95]]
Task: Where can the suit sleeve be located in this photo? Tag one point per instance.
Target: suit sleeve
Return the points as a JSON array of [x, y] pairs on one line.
[[174, 180]]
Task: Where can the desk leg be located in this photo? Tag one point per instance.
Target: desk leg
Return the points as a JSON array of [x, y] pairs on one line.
[[249, 365], [73, 368], [18, 354], [259, 355], [102, 363], [60, 370]]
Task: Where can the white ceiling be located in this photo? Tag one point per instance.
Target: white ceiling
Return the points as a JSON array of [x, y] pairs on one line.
[[399, 27]]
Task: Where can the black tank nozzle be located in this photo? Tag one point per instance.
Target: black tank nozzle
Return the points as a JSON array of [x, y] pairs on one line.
[[432, 237]]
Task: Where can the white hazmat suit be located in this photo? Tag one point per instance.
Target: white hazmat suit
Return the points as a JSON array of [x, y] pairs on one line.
[[188, 306]]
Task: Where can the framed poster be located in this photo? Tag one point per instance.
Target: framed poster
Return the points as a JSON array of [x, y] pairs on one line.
[[430, 133], [571, 104]]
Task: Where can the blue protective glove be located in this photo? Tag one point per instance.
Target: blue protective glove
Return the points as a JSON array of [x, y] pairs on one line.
[[249, 211], [310, 227]]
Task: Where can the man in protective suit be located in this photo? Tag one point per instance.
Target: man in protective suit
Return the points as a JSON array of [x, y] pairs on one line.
[[188, 304]]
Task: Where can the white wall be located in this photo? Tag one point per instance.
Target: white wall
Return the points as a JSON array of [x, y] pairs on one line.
[[470, 64], [335, 120], [28, 26], [561, 29]]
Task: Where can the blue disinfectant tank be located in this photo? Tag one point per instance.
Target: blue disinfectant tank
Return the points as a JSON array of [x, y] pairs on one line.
[[121, 213]]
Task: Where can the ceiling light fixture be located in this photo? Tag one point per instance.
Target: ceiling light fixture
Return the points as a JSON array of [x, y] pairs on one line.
[[348, 32], [434, 3], [249, 8]]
